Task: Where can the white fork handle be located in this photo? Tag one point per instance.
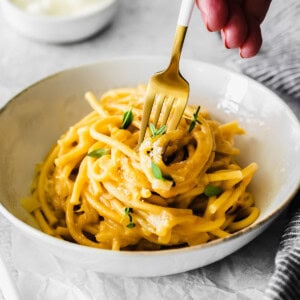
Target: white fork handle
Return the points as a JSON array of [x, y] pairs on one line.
[[185, 12]]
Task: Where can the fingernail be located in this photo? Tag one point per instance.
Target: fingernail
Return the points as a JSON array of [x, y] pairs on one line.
[[224, 39], [241, 54], [207, 26]]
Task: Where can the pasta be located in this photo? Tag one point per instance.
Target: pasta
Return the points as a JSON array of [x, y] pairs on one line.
[[99, 188]]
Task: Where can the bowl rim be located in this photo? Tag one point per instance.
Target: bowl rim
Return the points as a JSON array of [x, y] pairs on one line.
[[44, 18], [23, 226]]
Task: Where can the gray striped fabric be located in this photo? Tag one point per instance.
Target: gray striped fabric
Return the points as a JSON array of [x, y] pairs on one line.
[[285, 282], [278, 67], [278, 63]]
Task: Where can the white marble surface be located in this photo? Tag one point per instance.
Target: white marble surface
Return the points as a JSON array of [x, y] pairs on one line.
[[140, 28]]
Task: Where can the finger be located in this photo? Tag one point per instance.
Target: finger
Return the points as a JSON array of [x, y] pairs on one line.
[[255, 12], [253, 42], [235, 31], [214, 13], [257, 9]]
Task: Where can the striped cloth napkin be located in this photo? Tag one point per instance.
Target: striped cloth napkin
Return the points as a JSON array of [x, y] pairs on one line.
[[278, 63], [285, 282], [278, 67]]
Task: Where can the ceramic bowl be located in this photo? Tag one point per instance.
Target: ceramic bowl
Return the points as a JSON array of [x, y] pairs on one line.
[[33, 120], [59, 28]]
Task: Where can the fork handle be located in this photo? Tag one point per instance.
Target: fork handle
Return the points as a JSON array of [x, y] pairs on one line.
[[185, 12]]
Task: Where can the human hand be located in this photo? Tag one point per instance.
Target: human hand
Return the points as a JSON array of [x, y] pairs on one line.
[[238, 20]]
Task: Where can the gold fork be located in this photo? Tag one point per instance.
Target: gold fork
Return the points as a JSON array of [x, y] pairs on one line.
[[169, 86]]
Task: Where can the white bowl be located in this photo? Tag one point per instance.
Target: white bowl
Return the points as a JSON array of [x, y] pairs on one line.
[[33, 120], [59, 28]]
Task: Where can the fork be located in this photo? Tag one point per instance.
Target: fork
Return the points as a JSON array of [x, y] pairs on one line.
[[168, 88]]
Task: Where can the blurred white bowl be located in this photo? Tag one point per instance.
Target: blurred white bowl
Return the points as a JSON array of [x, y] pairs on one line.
[[59, 28], [33, 120]]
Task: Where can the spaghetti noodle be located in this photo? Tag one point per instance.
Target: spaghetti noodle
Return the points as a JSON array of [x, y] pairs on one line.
[[98, 187]]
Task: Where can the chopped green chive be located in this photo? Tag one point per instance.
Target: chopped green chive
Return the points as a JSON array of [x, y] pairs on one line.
[[152, 129], [157, 173], [127, 119], [157, 132], [195, 119], [97, 153], [212, 190], [130, 225], [128, 212]]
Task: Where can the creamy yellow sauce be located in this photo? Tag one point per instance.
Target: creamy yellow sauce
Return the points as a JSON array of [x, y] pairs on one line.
[[98, 187], [57, 7]]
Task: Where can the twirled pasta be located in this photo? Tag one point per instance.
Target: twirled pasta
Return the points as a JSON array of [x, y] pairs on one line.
[[99, 188]]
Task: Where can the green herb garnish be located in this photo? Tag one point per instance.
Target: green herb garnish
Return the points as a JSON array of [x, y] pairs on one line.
[[127, 119], [157, 173], [128, 212], [157, 132], [130, 225], [212, 190], [97, 152], [195, 119]]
